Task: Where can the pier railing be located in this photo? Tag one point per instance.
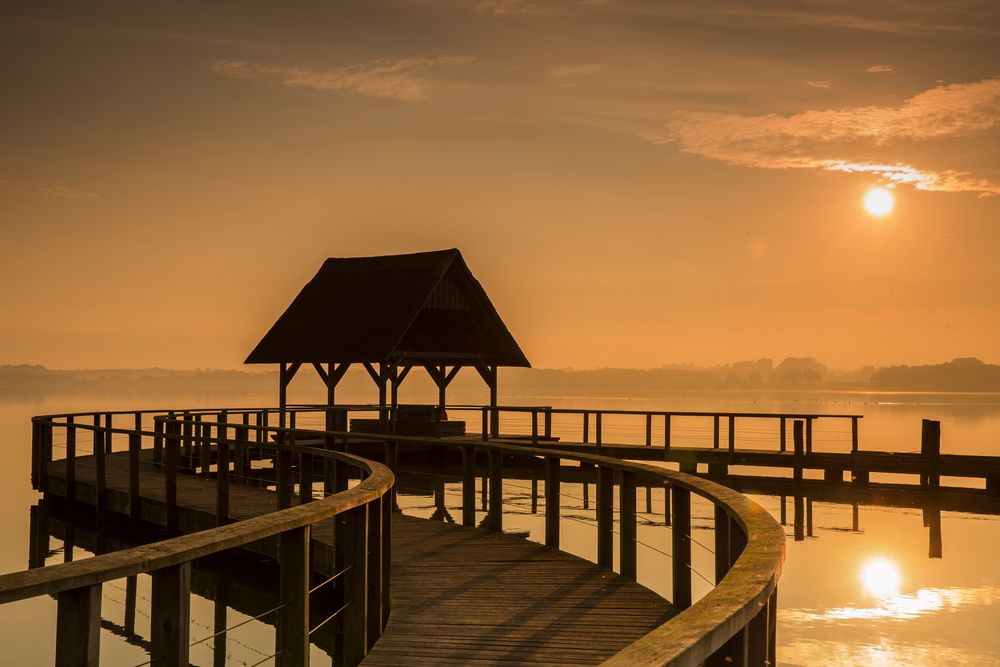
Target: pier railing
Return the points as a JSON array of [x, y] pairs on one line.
[[733, 624], [361, 516]]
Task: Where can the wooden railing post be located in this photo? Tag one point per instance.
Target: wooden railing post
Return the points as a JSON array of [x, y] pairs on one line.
[[292, 632], [586, 427], [782, 437], [854, 435], [468, 485], [534, 427], [108, 435], [552, 502], [157, 442], [172, 454], [78, 627], [305, 477], [70, 458], [681, 539], [222, 472], [627, 527], [809, 435], [930, 448], [101, 437], [373, 606], [283, 475], [204, 446], [171, 616], [605, 516], [722, 525], [354, 546], [386, 540], [649, 429], [597, 431], [496, 491], [715, 431], [732, 434], [134, 497], [36, 451], [548, 423], [666, 436], [486, 424], [799, 449]]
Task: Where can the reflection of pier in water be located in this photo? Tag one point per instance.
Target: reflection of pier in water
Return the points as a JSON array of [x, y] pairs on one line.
[[432, 483]]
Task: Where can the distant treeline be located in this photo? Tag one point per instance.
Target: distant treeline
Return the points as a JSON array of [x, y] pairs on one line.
[[791, 373]]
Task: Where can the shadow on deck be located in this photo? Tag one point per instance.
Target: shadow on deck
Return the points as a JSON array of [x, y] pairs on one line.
[[459, 595]]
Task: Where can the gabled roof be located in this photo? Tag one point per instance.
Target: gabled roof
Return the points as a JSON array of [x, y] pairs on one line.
[[419, 308]]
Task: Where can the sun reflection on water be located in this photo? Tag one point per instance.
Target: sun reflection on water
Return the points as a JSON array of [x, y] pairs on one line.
[[880, 577]]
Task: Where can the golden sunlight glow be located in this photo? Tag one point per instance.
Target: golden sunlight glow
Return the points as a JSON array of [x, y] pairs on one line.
[[880, 576], [879, 202]]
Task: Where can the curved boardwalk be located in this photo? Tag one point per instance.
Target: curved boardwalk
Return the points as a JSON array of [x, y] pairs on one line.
[[459, 595]]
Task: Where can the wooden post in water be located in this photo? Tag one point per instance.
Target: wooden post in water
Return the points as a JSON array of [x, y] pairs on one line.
[[171, 616], [605, 516], [627, 527], [78, 627], [681, 539], [930, 448], [552, 502]]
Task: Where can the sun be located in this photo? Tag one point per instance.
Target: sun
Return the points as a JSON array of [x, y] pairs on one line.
[[879, 202]]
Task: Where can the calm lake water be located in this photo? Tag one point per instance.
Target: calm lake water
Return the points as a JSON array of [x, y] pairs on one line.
[[866, 597]]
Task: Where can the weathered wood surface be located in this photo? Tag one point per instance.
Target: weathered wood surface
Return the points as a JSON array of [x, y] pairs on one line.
[[467, 596], [459, 595]]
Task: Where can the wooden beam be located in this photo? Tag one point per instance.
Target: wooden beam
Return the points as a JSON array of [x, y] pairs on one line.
[[451, 375], [373, 373], [292, 632], [322, 373]]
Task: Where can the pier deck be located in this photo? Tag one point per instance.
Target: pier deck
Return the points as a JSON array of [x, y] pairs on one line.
[[459, 595]]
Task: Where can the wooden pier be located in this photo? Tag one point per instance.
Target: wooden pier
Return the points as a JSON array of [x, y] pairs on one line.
[[459, 595]]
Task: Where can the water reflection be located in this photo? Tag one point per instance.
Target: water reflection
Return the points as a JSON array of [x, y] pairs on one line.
[[880, 577]]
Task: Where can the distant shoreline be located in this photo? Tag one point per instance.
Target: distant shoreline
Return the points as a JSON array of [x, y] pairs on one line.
[[800, 375]]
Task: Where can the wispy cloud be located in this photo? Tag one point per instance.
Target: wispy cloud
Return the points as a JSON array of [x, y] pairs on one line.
[[571, 71], [395, 79], [881, 69], [47, 191], [832, 140], [819, 84], [515, 8]]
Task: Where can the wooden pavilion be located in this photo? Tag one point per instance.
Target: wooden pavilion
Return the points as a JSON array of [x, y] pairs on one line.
[[391, 314]]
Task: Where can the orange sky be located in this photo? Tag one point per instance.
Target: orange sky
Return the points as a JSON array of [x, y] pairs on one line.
[[635, 183]]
